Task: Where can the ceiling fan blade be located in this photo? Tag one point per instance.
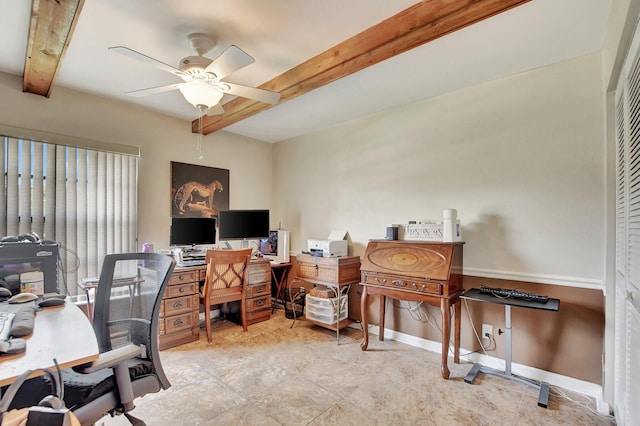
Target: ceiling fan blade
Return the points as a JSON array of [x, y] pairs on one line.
[[232, 59], [146, 59], [154, 90], [254, 93], [217, 109]]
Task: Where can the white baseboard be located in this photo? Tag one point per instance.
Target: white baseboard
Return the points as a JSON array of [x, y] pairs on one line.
[[586, 388]]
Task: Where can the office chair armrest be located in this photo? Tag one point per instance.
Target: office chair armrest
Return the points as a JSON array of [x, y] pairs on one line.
[[109, 359]]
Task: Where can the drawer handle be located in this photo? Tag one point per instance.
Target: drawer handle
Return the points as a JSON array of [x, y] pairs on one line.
[[259, 290], [178, 322], [182, 290], [178, 304], [398, 283], [259, 302]]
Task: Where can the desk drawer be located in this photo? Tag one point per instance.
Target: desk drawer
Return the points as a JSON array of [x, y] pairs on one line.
[[259, 273], [180, 290], [258, 303], [404, 283], [178, 323], [258, 290], [183, 277], [178, 305]]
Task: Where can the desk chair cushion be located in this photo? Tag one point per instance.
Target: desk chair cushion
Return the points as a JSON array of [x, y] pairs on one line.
[[81, 389]]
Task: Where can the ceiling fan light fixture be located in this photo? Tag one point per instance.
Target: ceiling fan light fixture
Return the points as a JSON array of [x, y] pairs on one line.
[[201, 95]]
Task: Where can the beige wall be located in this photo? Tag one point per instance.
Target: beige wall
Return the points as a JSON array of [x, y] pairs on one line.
[[521, 158], [69, 116]]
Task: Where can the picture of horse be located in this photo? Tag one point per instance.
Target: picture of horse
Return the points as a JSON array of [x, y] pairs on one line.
[[198, 191]]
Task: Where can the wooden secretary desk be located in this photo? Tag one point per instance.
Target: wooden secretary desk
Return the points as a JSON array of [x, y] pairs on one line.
[[419, 271]]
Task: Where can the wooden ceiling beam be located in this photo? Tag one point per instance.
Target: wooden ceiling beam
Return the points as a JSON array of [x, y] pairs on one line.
[[414, 26], [50, 30]]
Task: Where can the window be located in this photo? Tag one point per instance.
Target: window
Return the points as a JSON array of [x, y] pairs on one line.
[[84, 199]]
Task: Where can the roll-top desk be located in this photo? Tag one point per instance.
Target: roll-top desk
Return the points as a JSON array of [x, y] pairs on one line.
[[419, 271]]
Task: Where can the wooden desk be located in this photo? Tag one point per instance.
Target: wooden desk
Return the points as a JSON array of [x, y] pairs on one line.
[[550, 305], [419, 271], [61, 332]]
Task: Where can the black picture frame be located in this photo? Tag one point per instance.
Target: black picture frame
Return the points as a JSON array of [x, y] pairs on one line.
[[198, 191]]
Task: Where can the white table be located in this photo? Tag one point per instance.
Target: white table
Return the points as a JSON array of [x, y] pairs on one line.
[[61, 332]]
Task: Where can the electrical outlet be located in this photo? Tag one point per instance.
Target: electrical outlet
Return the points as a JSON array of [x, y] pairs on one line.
[[487, 331]]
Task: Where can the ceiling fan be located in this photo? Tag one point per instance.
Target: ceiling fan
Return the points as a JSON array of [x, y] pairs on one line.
[[202, 84]]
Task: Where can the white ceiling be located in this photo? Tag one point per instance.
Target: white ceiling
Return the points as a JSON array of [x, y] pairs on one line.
[[281, 34]]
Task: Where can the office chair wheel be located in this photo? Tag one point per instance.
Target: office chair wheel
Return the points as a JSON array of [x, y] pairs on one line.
[[134, 420]]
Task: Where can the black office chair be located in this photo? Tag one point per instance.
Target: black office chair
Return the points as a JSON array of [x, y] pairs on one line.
[[126, 317]]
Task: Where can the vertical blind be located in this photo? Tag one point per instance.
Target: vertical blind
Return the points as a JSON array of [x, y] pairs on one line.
[[84, 199]]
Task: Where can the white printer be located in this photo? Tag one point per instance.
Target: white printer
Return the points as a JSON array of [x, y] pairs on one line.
[[327, 248]]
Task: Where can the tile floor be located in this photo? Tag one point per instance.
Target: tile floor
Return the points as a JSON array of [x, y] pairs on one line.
[[278, 375]]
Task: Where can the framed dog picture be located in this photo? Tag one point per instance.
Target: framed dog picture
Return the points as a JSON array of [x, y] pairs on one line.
[[198, 191]]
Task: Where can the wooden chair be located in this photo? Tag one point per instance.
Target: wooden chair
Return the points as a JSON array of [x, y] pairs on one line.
[[225, 282]]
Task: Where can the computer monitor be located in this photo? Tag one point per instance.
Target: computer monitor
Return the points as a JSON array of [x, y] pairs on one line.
[[191, 231], [243, 224]]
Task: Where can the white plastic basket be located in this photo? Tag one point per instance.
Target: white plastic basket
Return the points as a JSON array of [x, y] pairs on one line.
[[326, 310]]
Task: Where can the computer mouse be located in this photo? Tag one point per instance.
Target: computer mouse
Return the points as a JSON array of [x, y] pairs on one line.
[[23, 298], [54, 296], [13, 346], [5, 293], [52, 301]]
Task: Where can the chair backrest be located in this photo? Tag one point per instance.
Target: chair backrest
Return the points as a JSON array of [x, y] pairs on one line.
[[127, 303], [226, 271]]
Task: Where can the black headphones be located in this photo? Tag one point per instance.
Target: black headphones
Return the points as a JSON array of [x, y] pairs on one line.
[[31, 237], [54, 401]]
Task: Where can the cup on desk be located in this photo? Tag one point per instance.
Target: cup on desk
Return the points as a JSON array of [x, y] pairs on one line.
[[177, 254]]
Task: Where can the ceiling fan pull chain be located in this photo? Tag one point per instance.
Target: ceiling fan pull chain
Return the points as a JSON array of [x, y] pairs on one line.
[[199, 136]]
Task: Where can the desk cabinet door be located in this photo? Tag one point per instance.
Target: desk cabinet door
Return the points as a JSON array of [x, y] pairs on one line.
[[176, 323], [258, 290], [258, 303], [179, 305]]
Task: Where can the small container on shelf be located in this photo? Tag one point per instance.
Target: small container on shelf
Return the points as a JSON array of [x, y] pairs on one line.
[[325, 310]]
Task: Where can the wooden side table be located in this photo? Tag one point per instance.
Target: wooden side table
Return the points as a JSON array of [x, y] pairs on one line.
[[280, 279]]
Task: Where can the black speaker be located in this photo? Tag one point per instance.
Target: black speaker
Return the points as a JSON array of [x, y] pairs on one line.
[[392, 233]]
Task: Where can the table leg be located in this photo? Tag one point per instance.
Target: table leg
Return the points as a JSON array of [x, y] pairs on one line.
[[542, 387], [89, 307], [383, 304], [446, 330], [456, 331], [364, 319]]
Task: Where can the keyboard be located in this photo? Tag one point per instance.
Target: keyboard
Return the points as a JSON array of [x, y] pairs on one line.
[[6, 319], [192, 263], [514, 294]]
